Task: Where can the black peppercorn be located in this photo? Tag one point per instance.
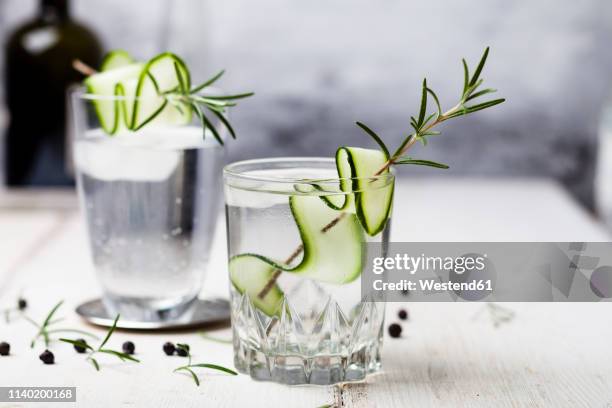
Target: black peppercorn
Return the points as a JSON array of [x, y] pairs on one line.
[[80, 349], [47, 357], [395, 330], [128, 347], [22, 304], [402, 314], [169, 348], [5, 349]]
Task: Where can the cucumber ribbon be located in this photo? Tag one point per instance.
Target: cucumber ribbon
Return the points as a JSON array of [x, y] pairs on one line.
[[135, 91]]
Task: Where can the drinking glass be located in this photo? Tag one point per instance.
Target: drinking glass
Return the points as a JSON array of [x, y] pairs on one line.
[[297, 324], [150, 199]]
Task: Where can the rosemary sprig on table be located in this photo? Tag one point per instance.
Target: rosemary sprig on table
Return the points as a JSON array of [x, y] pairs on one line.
[[200, 103], [422, 126], [100, 349], [46, 329], [189, 366]]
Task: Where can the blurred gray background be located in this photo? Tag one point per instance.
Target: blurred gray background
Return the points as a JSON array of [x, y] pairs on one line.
[[319, 65]]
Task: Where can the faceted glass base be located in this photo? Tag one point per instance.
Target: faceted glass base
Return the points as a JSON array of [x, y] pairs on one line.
[[310, 341]]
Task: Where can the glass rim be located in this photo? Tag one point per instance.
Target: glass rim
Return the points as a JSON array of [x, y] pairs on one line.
[[81, 93], [231, 171]]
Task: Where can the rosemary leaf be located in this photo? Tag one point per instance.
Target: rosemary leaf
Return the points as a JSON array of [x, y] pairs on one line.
[[419, 162], [225, 97], [214, 367], [423, 104], [480, 93], [190, 371], [208, 83], [52, 312], [480, 67], [466, 75], [376, 138], [225, 122], [95, 363], [212, 128], [110, 332], [77, 343], [475, 108], [121, 356], [435, 97]]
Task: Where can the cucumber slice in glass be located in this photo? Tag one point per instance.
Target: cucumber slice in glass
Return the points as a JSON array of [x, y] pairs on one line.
[[335, 256], [250, 274], [110, 84], [373, 197], [116, 59], [163, 74]]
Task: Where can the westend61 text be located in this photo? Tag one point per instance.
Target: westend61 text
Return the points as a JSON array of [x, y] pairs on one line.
[[432, 285]]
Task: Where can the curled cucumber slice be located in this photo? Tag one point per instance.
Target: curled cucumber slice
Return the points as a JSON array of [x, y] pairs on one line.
[[373, 196], [164, 73], [112, 83], [116, 59], [250, 273], [332, 252], [142, 88]]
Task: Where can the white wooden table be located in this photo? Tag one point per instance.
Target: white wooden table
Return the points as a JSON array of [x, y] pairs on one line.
[[550, 355]]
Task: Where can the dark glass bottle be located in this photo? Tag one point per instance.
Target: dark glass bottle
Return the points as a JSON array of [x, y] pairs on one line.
[[39, 57]]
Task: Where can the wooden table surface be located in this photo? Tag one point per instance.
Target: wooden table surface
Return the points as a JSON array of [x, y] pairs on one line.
[[451, 354]]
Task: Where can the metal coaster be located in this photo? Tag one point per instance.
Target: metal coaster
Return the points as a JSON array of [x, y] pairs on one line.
[[205, 312]]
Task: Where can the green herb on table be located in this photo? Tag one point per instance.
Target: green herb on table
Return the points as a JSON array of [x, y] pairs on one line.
[[189, 366], [101, 349], [207, 336], [46, 329]]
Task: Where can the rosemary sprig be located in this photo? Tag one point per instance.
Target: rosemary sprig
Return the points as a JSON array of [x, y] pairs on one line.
[[181, 97], [189, 366], [45, 329], [423, 124], [100, 349]]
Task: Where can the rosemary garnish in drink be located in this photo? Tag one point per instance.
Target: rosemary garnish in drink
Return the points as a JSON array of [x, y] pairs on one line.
[[100, 349], [180, 95], [215, 104], [46, 329], [189, 366], [422, 128]]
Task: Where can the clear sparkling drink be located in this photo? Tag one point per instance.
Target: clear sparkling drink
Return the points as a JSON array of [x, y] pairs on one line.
[[312, 325], [151, 201]]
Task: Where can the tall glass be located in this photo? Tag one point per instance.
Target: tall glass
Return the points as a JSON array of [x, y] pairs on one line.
[[297, 317], [150, 200]]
